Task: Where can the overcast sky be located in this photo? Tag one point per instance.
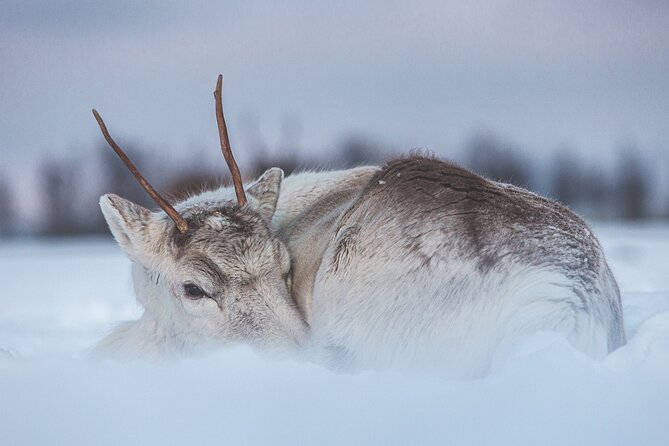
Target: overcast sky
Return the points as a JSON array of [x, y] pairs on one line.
[[587, 74]]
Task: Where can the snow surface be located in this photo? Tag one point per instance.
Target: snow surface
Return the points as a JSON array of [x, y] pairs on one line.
[[58, 298]]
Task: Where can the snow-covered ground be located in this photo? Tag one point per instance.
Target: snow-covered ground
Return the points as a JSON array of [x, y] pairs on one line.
[[58, 298]]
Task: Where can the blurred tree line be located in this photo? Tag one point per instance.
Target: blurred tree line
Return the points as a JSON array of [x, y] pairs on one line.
[[70, 188]]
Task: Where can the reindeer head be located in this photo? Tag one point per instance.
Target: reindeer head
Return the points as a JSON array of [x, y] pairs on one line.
[[210, 270]]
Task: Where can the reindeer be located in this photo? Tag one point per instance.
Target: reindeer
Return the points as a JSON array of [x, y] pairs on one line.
[[417, 263]]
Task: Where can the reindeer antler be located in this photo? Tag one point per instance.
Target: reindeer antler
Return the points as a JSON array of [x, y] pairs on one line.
[[181, 223], [225, 145]]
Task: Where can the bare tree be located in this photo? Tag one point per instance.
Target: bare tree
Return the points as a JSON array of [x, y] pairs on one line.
[[59, 192], [632, 187], [356, 150], [498, 161], [567, 179], [6, 210]]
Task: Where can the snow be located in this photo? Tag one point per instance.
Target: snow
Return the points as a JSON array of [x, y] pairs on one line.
[[58, 298]]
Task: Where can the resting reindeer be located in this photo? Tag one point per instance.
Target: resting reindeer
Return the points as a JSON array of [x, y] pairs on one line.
[[419, 263]]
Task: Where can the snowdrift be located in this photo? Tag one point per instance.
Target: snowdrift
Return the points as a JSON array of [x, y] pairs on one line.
[[59, 298]]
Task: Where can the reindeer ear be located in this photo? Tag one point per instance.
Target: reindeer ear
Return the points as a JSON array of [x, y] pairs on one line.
[[128, 222], [265, 192]]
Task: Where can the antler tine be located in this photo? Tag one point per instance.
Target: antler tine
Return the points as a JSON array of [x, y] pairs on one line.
[[181, 223], [225, 145]]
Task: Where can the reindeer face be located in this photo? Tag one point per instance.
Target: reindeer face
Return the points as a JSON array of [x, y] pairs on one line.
[[224, 280]]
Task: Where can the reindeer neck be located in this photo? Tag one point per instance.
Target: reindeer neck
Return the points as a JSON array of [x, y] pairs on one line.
[[309, 207], [300, 192]]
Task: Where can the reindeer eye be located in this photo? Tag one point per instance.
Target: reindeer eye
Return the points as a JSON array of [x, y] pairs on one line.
[[193, 291]]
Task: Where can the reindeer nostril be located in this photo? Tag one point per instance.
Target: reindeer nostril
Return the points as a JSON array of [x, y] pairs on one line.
[[193, 291]]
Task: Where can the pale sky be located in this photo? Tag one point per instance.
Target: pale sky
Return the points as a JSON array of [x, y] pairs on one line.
[[543, 75]]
